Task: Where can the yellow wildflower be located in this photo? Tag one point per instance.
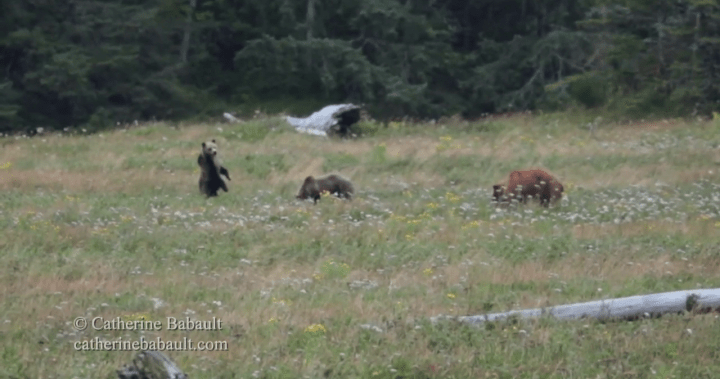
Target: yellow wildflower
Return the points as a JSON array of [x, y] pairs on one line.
[[315, 328]]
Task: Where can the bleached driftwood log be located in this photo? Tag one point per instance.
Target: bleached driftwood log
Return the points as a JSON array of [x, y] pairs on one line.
[[151, 365], [340, 116], [231, 118], [628, 308]]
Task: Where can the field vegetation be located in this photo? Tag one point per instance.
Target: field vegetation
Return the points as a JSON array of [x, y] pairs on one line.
[[113, 225]]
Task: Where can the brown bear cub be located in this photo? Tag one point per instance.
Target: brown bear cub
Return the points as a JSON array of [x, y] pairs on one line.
[[312, 188], [529, 183], [210, 170]]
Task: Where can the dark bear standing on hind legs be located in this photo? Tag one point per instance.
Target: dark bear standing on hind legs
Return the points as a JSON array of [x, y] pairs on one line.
[[312, 188], [529, 183], [210, 170]]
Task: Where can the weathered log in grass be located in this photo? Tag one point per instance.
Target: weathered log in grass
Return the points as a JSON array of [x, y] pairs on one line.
[[625, 308], [228, 116], [151, 365], [333, 119]]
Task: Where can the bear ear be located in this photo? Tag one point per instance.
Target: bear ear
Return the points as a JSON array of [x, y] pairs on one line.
[[203, 144], [213, 141], [496, 186]]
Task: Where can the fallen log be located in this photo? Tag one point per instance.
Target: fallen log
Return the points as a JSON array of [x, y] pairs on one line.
[[228, 116], [627, 308], [333, 119], [151, 365]]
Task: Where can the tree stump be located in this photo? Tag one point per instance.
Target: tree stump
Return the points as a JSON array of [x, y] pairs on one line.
[[151, 365]]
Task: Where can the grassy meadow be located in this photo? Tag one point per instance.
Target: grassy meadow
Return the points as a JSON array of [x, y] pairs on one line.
[[113, 225]]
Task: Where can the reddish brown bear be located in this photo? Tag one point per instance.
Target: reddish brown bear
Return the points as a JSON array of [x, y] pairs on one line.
[[534, 183], [312, 188]]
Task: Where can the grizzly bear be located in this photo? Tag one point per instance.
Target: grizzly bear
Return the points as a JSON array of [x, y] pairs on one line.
[[210, 170], [533, 183], [312, 188]]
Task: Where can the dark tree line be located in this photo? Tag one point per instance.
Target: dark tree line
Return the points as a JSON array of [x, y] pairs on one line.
[[98, 62]]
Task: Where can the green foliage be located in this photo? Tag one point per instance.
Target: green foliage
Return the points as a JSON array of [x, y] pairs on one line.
[[333, 270], [485, 127], [646, 102], [8, 106], [101, 119], [276, 65], [367, 128], [103, 63], [377, 155], [250, 105], [682, 99], [590, 91]]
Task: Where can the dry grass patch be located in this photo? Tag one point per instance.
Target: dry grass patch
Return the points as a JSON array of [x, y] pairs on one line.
[[645, 176], [615, 268], [418, 147], [282, 271], [298, 172], [694, 228], [108, 283], [128, 181], [636, 127], [199, 134]]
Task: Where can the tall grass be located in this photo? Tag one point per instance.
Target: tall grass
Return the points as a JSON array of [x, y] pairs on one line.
[[113, 225]]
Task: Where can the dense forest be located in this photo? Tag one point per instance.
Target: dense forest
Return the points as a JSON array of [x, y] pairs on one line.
[[102, 62]]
